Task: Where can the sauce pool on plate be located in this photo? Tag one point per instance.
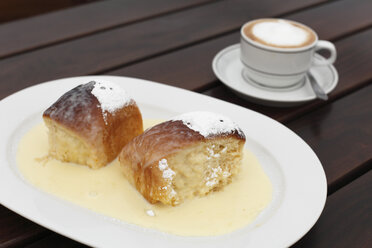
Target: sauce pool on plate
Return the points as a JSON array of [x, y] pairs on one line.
[[107, 191]]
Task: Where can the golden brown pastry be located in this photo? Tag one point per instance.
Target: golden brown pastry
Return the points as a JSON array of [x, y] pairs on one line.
[[91, 123], [190, 155]]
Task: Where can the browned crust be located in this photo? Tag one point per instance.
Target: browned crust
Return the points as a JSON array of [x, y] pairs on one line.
[[78, 110], [166, 138], [121, 128], [140, 157]]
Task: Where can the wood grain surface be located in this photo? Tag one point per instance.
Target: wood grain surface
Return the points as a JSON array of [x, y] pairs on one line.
[[56, 241], [19, 9], [36, 32], [98, 53], [16, 230], [185, 73], [337, 19], [340, 133], [346, 219]]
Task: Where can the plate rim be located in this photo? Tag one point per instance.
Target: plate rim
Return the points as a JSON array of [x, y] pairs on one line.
[[10, 204]]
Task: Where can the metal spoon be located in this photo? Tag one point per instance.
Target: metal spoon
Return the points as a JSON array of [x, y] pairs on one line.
[[319, 92]]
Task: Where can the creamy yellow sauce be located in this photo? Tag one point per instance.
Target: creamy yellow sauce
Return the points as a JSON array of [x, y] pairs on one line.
[[106, 191]]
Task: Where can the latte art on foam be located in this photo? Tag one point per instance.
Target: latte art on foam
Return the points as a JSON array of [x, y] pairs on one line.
[[279, 33]]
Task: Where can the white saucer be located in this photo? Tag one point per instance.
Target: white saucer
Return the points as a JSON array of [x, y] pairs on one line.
[[228, 68]]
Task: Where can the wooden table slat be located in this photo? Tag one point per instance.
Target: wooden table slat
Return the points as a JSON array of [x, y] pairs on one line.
[[103, 51], [194, 72], [346, 219], [340, 133], [16, 230], [56, 241], [338, 18], [35, 32]]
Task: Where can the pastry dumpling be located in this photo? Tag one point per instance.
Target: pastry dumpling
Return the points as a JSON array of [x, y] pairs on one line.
[[91, 123], [189, 155]]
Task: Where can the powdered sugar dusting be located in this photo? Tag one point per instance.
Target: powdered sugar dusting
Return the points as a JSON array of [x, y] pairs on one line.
[[226, 174], [168, 173], [212, 178], [211, 153], [150, 212], [110, 96], [173, 193], [163, 164], [208, 123]]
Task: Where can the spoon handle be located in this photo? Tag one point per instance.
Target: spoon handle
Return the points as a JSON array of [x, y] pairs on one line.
[[319, 92]]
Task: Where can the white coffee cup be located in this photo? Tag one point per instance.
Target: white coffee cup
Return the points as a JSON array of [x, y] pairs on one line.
[[278, 65]]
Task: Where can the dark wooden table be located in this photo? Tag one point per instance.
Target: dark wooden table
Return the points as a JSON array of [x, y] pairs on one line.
[[174, 42]]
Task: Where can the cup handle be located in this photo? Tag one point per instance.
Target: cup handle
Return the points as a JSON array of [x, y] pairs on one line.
[[326, 45]]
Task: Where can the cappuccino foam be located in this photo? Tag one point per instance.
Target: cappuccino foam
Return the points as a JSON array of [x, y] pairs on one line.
[[279, 33]]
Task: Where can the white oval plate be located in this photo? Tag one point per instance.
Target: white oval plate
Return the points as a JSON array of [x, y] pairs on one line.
[[299, 182]]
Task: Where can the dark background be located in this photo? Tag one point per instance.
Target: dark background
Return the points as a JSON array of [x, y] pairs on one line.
[[11, 10]]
